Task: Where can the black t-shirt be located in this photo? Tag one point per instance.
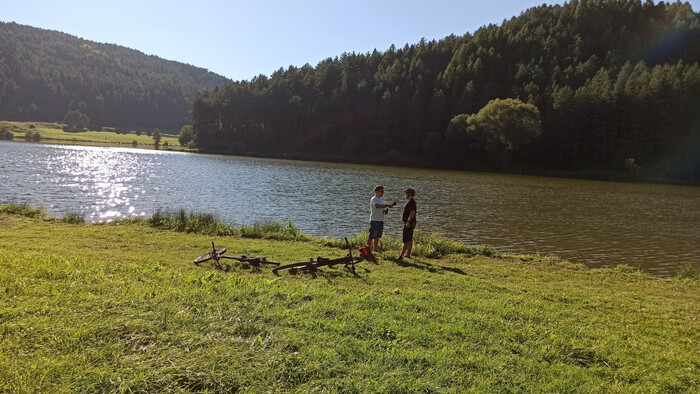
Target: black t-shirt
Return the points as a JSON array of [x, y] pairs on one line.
[[410, 206]]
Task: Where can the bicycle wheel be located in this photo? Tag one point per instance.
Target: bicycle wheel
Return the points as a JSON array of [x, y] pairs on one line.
[[208, 256], [205, 257], [312, 269], [352, 263]]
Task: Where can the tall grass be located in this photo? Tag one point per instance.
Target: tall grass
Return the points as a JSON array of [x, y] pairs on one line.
[[24, 209], [190, 222], [73, 218], [274, 230], [687, 271], [431, 245]]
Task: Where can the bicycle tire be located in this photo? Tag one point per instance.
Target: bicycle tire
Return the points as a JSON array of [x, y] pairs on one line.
[[203, 258], [312, 268], [209, 255]]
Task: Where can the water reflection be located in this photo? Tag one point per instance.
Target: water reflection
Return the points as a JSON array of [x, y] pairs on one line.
[[94, 182], [598, 223]]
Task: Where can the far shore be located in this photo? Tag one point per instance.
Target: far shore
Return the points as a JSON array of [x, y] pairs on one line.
[[53, 134]]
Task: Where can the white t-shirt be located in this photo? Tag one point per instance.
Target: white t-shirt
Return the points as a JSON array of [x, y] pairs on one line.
[[375, 213]]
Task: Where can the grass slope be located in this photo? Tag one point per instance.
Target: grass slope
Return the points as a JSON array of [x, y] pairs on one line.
[[52, 132], [121, 307]]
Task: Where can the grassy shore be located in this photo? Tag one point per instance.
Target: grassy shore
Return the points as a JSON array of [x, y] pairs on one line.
[[121, 307], [52, 132]]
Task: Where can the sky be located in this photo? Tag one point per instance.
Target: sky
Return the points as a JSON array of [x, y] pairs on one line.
[[241, 39]]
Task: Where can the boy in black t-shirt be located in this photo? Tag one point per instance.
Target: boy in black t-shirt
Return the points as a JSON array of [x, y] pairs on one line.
[[409, 222]]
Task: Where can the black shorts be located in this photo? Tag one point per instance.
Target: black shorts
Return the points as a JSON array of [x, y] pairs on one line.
[[408, 233]]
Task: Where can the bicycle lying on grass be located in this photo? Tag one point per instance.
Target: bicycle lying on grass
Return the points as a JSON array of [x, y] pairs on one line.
[[312, 266], [218, 254]]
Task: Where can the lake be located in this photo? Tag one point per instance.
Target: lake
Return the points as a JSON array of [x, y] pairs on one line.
[[654, 227]]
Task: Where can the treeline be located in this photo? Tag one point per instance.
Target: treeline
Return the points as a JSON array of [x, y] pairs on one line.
[[44, 74], [615, 84]]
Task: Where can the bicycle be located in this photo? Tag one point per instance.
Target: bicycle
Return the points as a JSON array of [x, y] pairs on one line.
[[312, 266], [218, 254]]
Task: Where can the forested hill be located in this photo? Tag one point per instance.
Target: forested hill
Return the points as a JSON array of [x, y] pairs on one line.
[[591, 86], [44, 74]]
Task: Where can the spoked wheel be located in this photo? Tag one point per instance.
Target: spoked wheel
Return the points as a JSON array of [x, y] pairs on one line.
[[208, 256], [351, 265], [201, 259], [307, 268]]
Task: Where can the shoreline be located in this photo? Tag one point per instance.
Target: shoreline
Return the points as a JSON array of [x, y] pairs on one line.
[[597, 175], [428, 245], [122, 307]]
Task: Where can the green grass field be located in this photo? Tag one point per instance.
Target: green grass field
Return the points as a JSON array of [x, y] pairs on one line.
[[121, 308], [52, 132]]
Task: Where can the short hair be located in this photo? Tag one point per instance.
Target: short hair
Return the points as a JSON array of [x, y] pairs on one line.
[[378, 188]]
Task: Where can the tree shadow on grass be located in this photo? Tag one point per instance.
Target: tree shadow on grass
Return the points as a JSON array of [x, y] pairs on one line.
[[426, 266]]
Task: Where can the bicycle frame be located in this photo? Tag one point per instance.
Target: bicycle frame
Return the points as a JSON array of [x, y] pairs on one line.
[[312, 266], [218, 254]]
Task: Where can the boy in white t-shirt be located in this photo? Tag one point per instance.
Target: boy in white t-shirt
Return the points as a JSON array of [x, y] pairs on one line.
[[376, 217]]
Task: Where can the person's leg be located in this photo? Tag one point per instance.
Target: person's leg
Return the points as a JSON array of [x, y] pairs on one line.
[[373, 233], [380, 232], [407, 241], [405, 238]]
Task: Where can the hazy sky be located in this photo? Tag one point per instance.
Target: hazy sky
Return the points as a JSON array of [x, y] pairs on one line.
[[241, 39]]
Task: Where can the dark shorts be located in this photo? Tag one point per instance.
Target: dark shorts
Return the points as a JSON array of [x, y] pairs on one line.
[[408, 233], [376, 229]]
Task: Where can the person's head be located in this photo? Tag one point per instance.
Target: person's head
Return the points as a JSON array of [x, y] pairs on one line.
[[379, 190], [409, 193]]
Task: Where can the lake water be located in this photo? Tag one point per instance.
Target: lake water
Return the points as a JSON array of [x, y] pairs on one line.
[[655, 227]]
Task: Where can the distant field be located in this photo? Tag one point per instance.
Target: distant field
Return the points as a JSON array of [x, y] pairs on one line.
[[52, 132]]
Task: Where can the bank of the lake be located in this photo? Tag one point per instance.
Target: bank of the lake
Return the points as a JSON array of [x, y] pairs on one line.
[[121, 307], [53, 133], [650, 226]]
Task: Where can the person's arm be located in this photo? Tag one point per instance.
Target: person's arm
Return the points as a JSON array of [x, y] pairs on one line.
[[411, 216], [380, 206]]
